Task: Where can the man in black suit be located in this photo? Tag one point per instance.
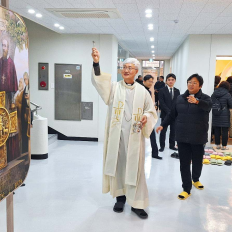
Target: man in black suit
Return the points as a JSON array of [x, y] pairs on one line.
[[158, 86], [147, 82], [167, 97]]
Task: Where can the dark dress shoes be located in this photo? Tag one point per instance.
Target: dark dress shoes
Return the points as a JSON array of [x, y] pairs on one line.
[[161, 149], [175, 155], [157, 157], [173, 148], [140, 213], [119, 207]]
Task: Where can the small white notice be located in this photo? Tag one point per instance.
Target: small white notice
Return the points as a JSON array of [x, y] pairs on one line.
[[67, 76], [52, 86]]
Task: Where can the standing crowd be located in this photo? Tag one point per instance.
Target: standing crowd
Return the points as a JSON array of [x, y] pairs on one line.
[[132, 117]]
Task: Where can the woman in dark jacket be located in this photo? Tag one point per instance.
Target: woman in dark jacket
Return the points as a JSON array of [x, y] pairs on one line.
[[191, 113], [221, 121], [229, 79]]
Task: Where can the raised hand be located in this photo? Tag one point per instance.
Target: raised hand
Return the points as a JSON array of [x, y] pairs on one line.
[[160, 128], [192, 99], [95, 55]]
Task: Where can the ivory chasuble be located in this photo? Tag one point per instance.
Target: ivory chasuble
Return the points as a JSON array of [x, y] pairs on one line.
[[124, 144]]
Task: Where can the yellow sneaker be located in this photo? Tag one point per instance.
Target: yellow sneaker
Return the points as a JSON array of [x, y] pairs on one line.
[[206, 161], [198, 185], [184, 195]]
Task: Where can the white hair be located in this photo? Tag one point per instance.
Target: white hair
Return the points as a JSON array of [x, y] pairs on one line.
[[132, 61]]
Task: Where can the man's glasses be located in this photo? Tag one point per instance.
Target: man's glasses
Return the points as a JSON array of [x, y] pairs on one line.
[[127, 68], [192, 83]]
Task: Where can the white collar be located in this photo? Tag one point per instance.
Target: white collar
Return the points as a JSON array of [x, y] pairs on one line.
[[129, 86], [170, 88]]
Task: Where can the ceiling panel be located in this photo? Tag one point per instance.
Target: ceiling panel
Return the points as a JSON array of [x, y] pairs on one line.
[[215, 6], [194, 17], [60, 4]]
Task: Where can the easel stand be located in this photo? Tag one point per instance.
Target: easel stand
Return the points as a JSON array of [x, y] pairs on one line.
[[10, 213]]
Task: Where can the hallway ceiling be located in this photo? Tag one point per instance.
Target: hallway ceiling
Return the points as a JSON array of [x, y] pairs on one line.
[[194, 17]]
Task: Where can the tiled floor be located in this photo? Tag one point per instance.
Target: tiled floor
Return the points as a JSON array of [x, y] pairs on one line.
[[63, 194]]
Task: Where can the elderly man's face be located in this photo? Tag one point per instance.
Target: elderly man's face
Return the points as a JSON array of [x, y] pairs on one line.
[[128, 73], [5, 48], [21, 85]]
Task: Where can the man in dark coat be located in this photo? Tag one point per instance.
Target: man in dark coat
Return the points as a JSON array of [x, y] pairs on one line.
[[7, 70], [8, 83], [147, 82], [139, 80], [191, 113], [158, 86], [167, 97]]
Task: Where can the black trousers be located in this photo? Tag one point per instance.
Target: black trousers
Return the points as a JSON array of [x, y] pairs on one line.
[[154, 146], [171, 135], [157, 100], [187, 153], [218, 131]]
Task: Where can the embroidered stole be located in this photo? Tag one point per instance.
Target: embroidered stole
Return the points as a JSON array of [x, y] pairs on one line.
[[115, 132]]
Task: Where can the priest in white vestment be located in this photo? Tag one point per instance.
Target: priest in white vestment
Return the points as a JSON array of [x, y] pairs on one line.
[[131, 118]]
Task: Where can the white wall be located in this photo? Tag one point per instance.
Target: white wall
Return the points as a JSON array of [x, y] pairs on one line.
[[179, 65], [49, 47], [166, 67], [198, 55]]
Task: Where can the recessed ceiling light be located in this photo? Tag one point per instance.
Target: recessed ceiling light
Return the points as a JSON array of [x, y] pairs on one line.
[[148, 15], [152, 46], [56, 25], [31, 11], [150, 26], [38, 15], [152, 51], [148, 11], [61, 28], [151, 39]]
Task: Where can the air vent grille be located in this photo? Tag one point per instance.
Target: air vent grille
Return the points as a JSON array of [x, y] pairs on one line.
[[85, 13]]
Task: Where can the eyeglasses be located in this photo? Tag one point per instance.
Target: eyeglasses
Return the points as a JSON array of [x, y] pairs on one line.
[[192, 83], [127, 68]]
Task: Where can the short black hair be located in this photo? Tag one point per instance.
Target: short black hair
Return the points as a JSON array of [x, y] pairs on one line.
[[225, 85], [229, 79], [170, 75], [148, 77], [161, 77], [140, 76], [199, 78], [217, 80]]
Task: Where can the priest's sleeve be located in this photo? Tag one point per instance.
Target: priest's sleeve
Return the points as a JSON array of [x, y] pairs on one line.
[[150, 112], [102, 82]]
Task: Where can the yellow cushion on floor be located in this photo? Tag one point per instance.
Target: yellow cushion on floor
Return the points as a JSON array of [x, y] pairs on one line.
[[184, 194], [213, 156], [198, 185], [218, 157]]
